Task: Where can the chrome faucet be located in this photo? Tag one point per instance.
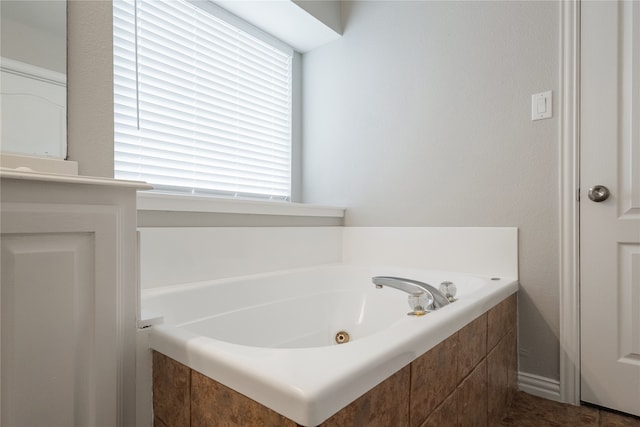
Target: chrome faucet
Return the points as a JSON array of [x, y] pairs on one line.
[[422, 296]]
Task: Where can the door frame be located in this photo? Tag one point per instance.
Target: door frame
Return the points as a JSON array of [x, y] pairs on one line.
[[569, 195]]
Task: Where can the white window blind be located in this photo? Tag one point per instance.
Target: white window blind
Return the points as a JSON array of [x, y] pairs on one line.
[[200, 106]]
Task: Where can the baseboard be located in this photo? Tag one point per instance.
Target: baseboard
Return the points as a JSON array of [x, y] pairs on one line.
[[539, 386]]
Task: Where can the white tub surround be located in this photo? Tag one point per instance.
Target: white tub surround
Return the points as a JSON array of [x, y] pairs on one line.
[[485, 251], [175, 256], [178, 255], [298, 290], [68, 293]]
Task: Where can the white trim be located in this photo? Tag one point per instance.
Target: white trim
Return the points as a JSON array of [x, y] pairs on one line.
[[539, 386], [569, 384], [188, 203]]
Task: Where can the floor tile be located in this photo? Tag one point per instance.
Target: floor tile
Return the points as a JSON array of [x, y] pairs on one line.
[[610, 419], [531, 411]]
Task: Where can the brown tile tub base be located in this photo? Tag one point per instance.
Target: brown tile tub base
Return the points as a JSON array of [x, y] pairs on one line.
[[213, 404], [455, 383], [183, 397], [447, 386]]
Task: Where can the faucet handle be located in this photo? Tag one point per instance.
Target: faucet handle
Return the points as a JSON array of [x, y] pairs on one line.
[[449, 290], [420, 302]]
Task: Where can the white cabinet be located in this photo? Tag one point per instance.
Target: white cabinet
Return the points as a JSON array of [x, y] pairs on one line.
[[68, 301]]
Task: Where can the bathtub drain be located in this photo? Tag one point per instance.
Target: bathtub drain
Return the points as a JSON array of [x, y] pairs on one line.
[[342, 337]]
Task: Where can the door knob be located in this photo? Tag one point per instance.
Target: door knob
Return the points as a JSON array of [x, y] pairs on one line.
[[599, 193]]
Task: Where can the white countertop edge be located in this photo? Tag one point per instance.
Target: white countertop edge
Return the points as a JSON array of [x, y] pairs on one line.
[[8, 173]]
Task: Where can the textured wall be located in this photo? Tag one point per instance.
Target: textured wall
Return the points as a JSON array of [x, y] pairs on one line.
[[420, 116], [90, 86]]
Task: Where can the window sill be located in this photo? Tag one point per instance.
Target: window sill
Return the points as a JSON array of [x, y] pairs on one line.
[[186, 203]]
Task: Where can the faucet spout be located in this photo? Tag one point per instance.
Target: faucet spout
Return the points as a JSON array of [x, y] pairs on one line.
[[412, 287]]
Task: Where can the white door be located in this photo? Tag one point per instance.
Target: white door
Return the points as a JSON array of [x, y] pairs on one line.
[[610, 229]]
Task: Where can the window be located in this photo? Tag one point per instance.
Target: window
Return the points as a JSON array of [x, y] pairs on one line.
[[201, 106]]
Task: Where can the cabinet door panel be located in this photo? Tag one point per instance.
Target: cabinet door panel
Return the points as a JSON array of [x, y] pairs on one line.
[[47, 299], [63, 354]]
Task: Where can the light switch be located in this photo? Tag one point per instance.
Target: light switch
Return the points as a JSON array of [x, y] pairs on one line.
[[541, 106]]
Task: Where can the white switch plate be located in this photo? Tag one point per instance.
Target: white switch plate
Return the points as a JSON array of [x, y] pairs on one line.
[[541, 105]]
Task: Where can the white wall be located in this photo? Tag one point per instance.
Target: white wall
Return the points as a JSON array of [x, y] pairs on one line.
[[420, 116]]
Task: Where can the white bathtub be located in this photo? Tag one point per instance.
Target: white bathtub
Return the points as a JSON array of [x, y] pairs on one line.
[[271, 337]]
